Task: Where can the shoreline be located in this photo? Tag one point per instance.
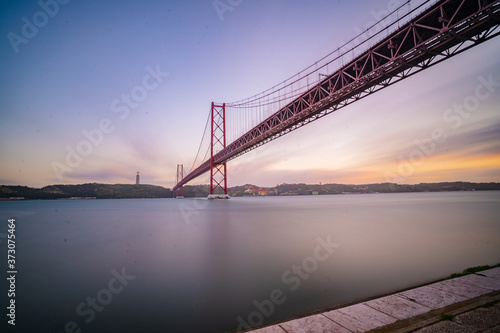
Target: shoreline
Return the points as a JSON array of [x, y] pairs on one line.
[[75, 198], [485, 292]]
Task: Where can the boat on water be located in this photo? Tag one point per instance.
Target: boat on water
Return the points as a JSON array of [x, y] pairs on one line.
[[218, 196]]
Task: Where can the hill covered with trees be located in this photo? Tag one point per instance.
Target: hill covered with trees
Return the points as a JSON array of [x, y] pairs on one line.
[[306, 189], [94, 190], [121, 191]]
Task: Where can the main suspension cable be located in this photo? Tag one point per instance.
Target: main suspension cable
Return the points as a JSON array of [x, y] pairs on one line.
[[201, 143]]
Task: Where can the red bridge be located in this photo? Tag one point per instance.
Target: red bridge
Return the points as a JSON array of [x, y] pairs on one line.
[[427, 35]]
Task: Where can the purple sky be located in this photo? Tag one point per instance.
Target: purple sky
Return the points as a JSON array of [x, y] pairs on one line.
[[138, 79]]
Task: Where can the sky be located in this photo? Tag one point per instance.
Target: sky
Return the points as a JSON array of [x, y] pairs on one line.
[[94, 91]]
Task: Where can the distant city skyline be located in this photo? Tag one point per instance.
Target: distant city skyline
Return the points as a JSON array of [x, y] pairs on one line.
[[96, 91]]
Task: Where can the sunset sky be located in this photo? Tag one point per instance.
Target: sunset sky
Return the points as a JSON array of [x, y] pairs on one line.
[[70, 77]]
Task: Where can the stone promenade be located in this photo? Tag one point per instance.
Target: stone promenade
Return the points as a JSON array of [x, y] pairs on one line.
[[465, 304]]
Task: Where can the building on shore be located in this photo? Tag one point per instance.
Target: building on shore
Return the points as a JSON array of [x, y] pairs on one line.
[[137, 179], [260, 192]]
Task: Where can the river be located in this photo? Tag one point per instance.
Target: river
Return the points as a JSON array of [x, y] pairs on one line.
[[194, 265]]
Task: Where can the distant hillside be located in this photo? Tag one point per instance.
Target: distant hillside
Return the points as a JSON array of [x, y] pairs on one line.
[[305, 189], [94, 190], [119, 191]]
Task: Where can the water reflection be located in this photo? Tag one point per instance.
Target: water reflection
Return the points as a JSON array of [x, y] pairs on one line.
[[200, 265]]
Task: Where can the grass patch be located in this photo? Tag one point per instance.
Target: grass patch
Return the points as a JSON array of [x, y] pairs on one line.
[[445, 316], [490, 304], [472, 270]]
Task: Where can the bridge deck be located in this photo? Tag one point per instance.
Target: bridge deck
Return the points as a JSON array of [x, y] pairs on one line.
[[447, 28]]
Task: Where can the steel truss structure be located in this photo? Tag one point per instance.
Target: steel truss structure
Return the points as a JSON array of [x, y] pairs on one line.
[[447, 28], [218, 169], [179, 191]]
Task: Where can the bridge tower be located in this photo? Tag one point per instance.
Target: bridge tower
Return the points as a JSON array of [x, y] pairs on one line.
[[179, 193], [218, 171]]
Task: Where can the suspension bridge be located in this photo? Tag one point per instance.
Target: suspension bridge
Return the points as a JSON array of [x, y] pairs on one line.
[[415, 40]]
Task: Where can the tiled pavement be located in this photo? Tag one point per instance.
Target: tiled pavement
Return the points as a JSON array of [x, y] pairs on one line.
[[470, 303]]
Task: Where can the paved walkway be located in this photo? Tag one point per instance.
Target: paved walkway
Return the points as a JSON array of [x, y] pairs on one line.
[[466, 304]]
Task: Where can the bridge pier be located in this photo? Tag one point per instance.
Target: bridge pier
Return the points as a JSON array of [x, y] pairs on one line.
[[179, 192], [218, 171], [218, 196]]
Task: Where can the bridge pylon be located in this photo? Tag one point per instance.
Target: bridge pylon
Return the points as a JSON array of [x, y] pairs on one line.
[[179, 192], [218, 171]]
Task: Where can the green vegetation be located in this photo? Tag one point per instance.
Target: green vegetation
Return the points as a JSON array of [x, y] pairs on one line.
[[192, 191], [304, 189], [106, 191], [472, 270], [490, 304], [445, 316], [94, 190]]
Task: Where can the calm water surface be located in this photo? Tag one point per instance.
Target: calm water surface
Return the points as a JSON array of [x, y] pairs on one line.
[[194, 265]]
